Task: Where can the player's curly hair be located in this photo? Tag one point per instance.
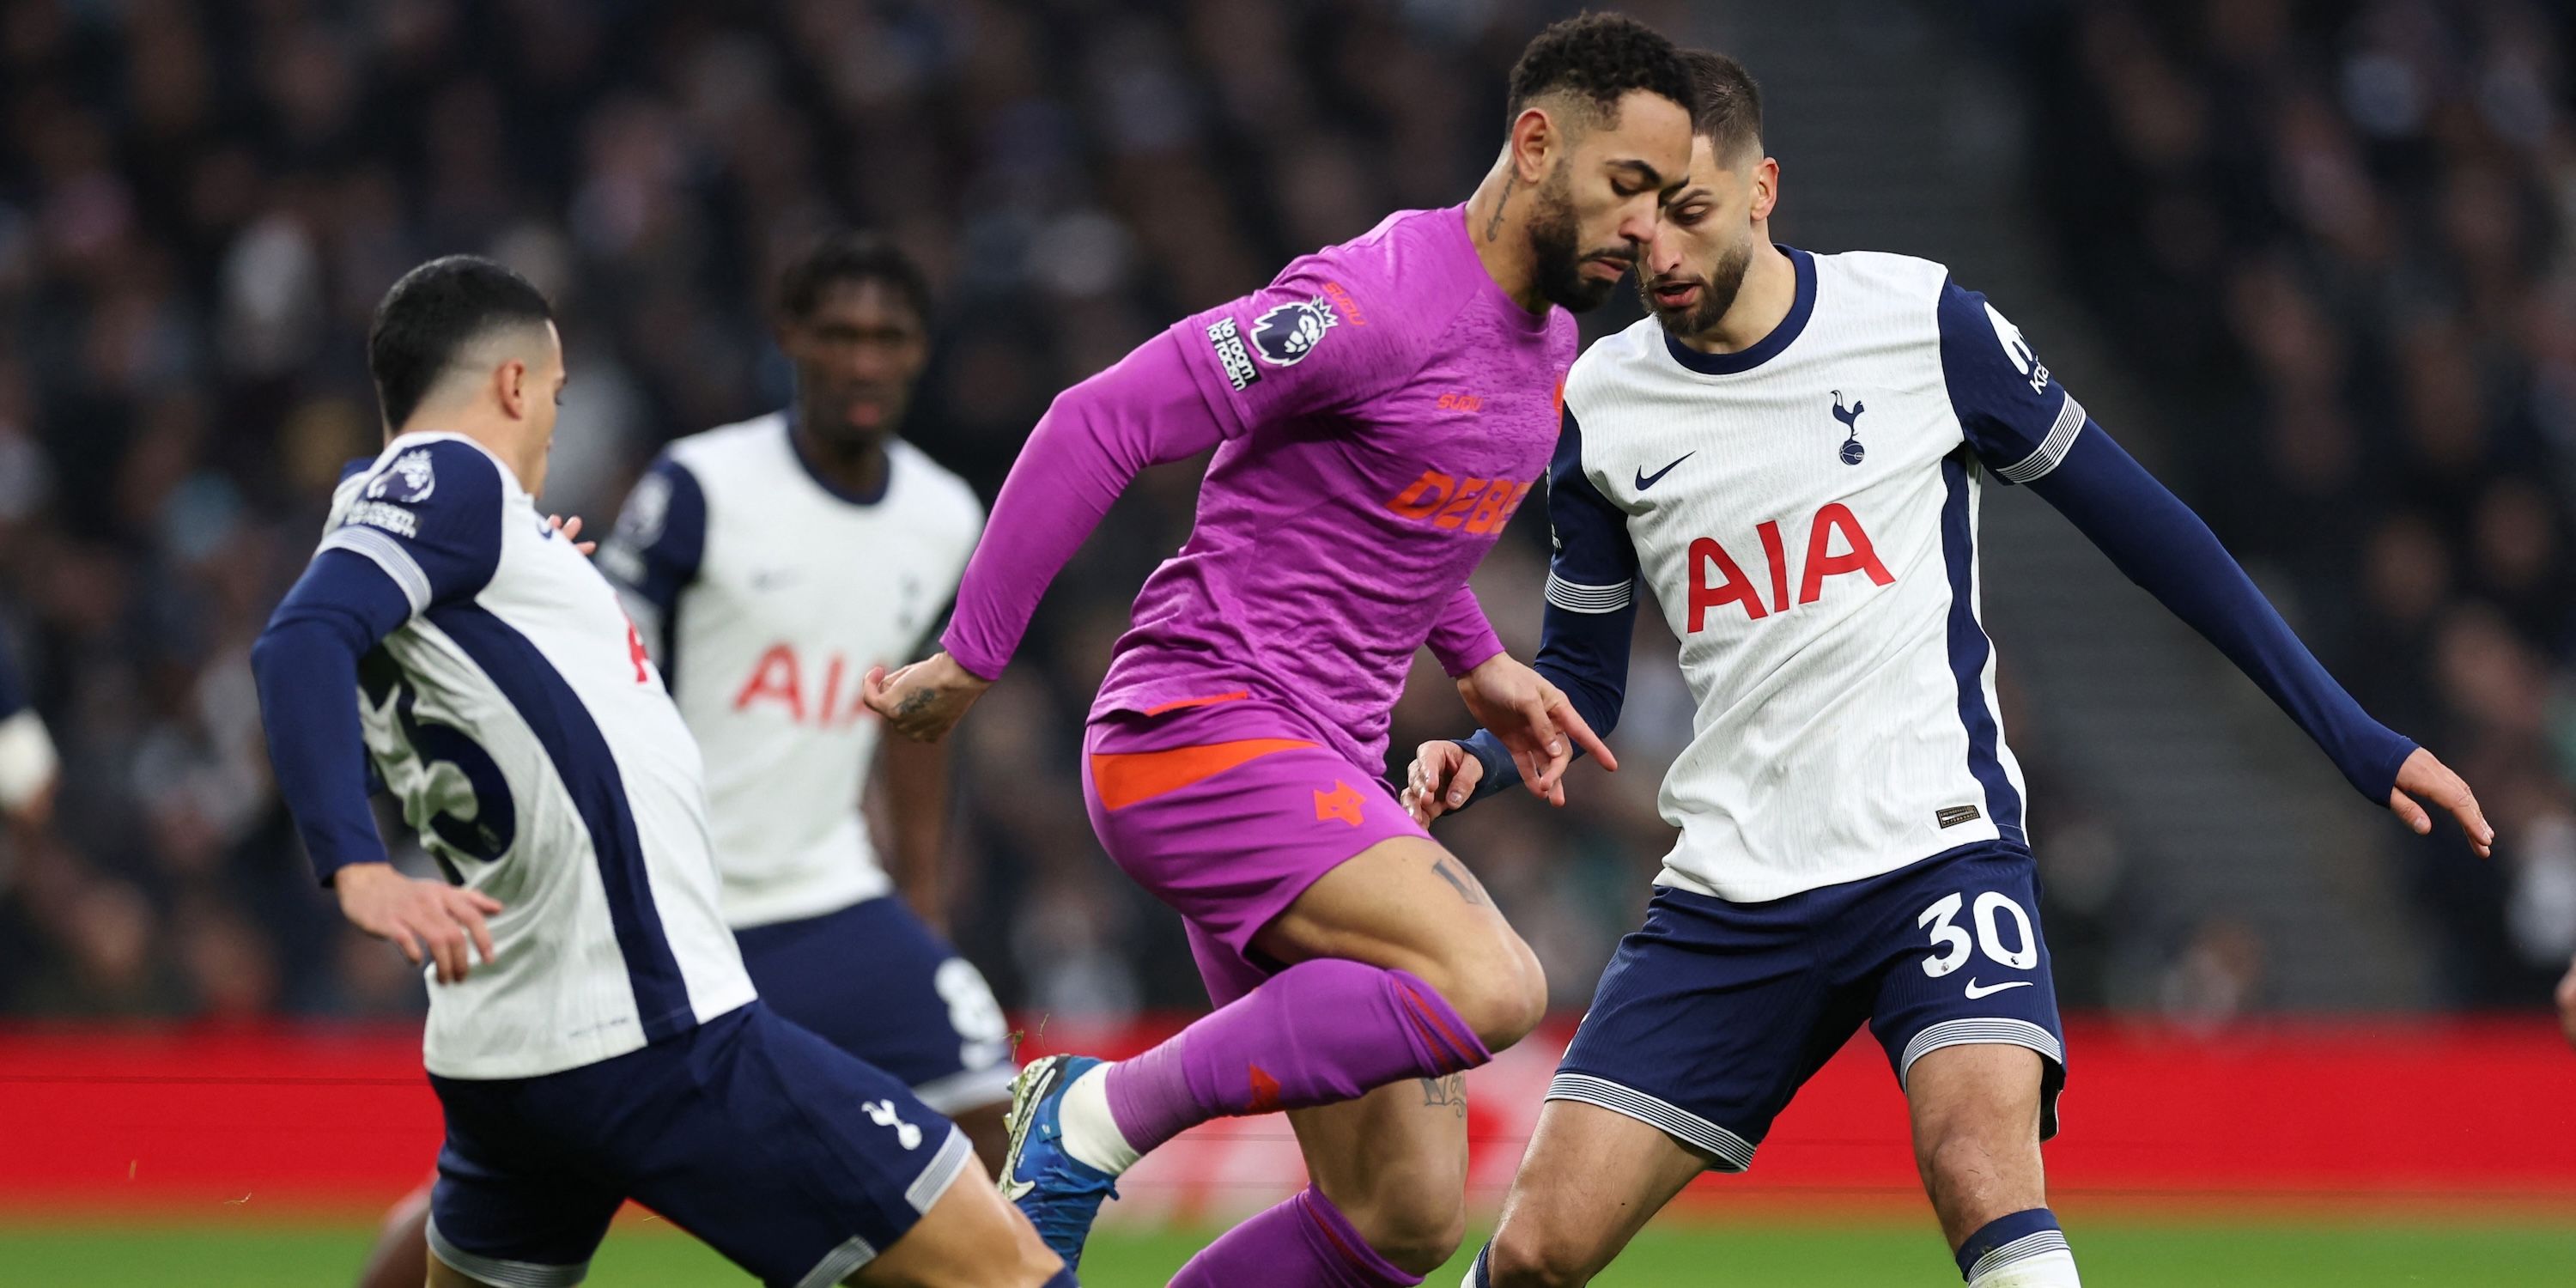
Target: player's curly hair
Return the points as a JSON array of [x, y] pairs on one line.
[[1730, 103], [851, 257], [1600, 57]]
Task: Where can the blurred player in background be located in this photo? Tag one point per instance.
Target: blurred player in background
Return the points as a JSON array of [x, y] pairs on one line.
[[29, 768], [770, 564], [1377, 413], [734, 556], [1789, 453], [592, 1033]]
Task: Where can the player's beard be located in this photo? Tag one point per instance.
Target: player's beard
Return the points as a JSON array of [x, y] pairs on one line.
[[1717, 293], [1556, 239]]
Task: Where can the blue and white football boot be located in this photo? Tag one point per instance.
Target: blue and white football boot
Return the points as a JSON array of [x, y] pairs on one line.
[[1060, 1193]]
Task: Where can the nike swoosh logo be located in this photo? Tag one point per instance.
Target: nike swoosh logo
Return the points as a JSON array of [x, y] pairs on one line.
[[1975, 992], [1645, 480]]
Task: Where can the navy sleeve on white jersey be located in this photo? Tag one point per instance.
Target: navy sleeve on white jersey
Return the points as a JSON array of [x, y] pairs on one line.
[[655, 551], [425, 529], [1591, 606], [2167, 550], [2017, 418], [2028, 429], [431, 519]]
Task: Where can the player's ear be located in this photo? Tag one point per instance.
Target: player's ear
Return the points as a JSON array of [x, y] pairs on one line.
[[510, 384], [1535, 138], [1766, 188]]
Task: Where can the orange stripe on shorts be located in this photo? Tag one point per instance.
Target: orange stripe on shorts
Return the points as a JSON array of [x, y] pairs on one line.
[[1127, 777], [1182, 704]]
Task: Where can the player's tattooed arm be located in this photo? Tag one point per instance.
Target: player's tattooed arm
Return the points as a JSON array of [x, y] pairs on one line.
[[1450, 1091]]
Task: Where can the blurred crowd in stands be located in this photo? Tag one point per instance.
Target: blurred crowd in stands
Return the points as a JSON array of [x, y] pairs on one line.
[[2336, 238], [2341, 231]]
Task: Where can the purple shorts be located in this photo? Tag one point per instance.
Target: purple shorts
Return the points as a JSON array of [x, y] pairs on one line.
[[1227, 809]]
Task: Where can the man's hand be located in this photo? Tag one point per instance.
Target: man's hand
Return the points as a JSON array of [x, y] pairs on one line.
[[1443, 776], [425, 919], [571, 530], [2567, 1004], [1535, 721], [925, 700], [2424, 776]]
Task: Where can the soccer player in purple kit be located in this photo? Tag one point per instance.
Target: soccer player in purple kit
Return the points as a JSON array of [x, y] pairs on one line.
[[1378, 413]]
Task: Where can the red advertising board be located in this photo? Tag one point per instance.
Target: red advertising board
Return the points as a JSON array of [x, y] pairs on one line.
[[318, 1120]]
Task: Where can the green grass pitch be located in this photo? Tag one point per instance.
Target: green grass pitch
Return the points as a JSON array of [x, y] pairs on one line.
[[1810, 1254]]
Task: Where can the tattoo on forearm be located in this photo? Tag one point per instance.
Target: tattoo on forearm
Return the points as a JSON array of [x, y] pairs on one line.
[[1460, 880], [1450, 1091], [1494, 222]]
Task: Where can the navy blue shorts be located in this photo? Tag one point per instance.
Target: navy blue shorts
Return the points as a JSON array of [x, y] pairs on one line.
[[1715, 1013], [877, 983], [784, 1153]]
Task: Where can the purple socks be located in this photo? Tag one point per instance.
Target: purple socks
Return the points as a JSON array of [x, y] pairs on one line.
[[1305, 1242], [1317, 1033]]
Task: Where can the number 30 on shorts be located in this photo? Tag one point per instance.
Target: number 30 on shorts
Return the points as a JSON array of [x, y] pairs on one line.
[[1953, 944]]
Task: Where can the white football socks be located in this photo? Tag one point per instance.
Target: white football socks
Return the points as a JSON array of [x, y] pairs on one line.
[[2025, 1265], [1090, 1130]]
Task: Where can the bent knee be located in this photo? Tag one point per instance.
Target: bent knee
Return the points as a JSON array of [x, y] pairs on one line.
[[1500, 991], [1417, 1231], [1526, 1255]]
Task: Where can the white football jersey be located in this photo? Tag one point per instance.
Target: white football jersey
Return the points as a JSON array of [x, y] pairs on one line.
[[518, 721], [1806, 513], [767, 595]]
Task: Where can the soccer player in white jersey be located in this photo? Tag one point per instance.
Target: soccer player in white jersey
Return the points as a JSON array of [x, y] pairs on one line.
[[770, 564], [734, 559], [1789, 453], [592, 1033]]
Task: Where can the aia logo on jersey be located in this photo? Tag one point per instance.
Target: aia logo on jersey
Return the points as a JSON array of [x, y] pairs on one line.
[[1478, 505], [778, 680], [1716, 580], [1852, 450], [1288, 332]]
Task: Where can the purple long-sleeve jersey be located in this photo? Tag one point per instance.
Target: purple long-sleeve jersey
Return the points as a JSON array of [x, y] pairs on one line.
[[1379, 412]]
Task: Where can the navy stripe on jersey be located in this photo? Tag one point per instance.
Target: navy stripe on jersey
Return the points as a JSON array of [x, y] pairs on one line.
[[589, 772], [1801, 307], [655, 552], [1969, 652]]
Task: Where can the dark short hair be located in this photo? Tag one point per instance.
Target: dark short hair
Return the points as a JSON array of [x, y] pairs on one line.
[[1599, 57], [1729, 114], [850, 257], [429, 318]]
